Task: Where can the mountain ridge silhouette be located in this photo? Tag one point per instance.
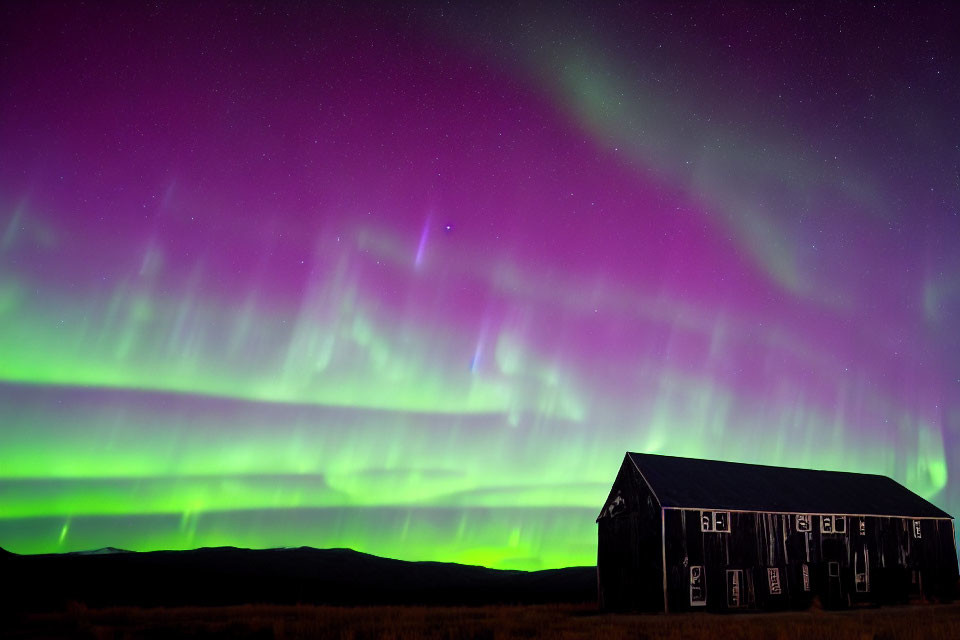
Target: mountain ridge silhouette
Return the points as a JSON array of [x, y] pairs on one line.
[[232, 575]]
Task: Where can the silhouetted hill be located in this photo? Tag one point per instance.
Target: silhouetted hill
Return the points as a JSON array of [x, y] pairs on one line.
[[227, 575], [98, 552]]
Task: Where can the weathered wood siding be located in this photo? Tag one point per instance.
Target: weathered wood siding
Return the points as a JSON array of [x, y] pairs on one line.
[[629, 564], [887, 554]]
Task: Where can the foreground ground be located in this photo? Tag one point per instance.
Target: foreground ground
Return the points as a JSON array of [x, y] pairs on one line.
[[927, 622]]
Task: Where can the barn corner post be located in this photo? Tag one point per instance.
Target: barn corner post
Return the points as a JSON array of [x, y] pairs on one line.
[[663, 555], [956, 553], [597, 580]]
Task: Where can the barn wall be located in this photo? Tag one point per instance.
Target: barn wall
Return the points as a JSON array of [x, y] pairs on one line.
[[754, 543], [629, 564], [892, 563]]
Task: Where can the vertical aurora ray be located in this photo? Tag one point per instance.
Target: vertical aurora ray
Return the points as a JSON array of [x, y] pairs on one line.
[[226, 319], [422, 245]]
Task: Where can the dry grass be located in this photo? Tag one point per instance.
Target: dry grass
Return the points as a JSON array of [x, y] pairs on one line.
[[926, 622]]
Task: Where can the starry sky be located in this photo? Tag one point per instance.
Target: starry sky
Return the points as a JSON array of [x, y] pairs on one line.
[[411, 279]]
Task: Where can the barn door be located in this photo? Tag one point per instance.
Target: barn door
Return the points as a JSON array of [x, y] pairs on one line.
[[861, 570], [734, 588], [698, 586]]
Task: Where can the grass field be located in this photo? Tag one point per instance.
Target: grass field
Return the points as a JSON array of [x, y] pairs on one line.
[[926, 622]]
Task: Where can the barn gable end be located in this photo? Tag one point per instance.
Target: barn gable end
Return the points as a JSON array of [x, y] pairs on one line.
[[629, 548]]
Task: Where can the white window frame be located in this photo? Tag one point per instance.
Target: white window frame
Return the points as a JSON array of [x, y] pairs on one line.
[[803, 518], [917, 533], [716, 521], [706, 521], [843, 527], [824, 519]]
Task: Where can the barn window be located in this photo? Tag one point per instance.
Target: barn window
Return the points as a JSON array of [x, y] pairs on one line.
[[721, 521], [833, 569], [616, 506], [863, 527], [916, 528], [833, 524], [715, 521], [803, 523], [698, 586], [826, 524]]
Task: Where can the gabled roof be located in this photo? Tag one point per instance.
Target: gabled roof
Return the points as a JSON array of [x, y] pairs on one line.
[[733, 486]]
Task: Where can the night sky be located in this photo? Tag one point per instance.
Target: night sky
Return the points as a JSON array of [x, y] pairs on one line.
[[411, 280]]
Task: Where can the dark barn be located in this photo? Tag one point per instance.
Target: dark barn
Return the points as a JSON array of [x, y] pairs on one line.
[[679, 534]]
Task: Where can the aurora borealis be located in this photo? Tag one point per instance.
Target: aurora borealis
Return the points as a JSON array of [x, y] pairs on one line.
[[412, 279]]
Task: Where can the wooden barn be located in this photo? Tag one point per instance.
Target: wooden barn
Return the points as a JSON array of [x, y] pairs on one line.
[[678, 534]]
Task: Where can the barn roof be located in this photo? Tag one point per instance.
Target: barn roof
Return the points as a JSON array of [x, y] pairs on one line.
[[733, 486]]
